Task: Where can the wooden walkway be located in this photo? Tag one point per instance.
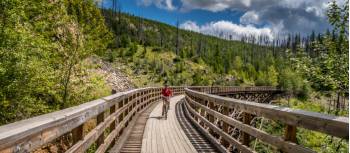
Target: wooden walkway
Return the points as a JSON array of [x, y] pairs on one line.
[[165, 136], [133, 143]]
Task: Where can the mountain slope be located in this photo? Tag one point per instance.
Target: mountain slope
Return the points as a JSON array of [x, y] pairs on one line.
[[241, 62]]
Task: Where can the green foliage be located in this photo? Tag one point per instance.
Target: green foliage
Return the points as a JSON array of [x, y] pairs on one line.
[[154, 67], [328, 71], [237, 63], [272, 76], [294, 82], [132, 50], [41, 47], [125, 41]]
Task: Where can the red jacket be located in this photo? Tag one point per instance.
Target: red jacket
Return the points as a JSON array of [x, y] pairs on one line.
[[166, 92]]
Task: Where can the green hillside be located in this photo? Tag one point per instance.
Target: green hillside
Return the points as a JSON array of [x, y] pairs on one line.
[[238, 61]]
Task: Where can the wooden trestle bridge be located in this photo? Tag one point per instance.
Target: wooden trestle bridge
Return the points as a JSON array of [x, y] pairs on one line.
[[200, 119]]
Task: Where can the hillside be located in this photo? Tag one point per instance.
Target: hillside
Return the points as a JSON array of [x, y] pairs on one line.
[[240, 62]]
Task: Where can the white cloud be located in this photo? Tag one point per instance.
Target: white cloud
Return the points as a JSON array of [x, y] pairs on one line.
[[287, 16], [250, 17], [316, 10], [169, 5], [227, 29], [190, 25], [162, 4], [291, 16], [213, 5]]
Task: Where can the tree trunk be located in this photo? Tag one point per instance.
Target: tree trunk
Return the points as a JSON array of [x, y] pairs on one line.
[[337, 104]]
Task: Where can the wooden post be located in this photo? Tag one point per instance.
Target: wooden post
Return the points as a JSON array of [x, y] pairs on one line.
[[125, 102], [211, 117], [100, 119], [291, 133], [245, 136], [112, 126], [77, 133], [225, 126], [202, 113], [138, 101]]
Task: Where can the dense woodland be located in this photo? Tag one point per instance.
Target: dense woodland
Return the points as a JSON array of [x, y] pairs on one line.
[[298, 63], [44, 47]]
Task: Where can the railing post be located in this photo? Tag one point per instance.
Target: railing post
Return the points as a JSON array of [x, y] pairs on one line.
[[120, 116], [112, 126], [225, 126], [202, 113], [77, 133], [138, 102], [291, 133], [245, 136], [100, 119], [211, 117]]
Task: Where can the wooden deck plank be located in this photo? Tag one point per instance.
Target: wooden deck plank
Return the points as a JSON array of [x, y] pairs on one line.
[[174, 139], [132, 137], [182, 134], [176, 131], [163, 140], [167, 138], [163, 136]]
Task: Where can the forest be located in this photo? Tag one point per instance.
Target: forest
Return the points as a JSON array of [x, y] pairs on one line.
[[304, 65], [45, 49]]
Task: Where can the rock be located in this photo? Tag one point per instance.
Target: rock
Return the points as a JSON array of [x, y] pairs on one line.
[[115, 78]]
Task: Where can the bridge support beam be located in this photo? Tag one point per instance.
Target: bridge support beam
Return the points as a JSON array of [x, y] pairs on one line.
[[260, 97]]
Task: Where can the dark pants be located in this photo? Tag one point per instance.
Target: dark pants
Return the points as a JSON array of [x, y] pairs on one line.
[[166, 106]]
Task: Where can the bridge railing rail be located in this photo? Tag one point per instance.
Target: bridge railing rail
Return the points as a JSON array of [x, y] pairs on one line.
[[207, 109], [112, 114]]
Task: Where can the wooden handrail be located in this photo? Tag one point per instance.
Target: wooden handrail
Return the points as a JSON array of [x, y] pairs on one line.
[[28, 135], [114, 112], [197, 101]]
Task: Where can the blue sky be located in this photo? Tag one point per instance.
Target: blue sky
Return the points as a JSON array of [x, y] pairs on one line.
[[170, 17], [235, 17]]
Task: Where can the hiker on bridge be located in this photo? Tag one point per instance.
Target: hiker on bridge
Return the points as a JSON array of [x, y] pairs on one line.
[[166, 94]]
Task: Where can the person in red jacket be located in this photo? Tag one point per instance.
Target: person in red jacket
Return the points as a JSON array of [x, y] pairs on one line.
[[166, 94]]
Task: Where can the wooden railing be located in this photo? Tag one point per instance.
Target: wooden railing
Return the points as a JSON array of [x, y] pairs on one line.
[[30, 134], [213, 114], [113, 114]]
